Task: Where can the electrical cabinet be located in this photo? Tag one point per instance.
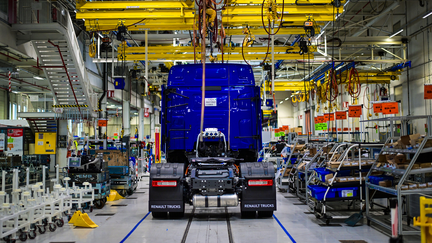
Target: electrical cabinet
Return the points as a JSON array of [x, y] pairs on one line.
[[45, 143]]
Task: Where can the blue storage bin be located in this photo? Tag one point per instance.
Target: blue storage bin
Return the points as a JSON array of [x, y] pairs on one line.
[[347, 191], [320, 191], [312, 189], [322, 172], [376, 179], [118, 170]]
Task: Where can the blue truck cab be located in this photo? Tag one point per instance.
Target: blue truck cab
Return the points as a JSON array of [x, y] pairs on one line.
[[216, 167]]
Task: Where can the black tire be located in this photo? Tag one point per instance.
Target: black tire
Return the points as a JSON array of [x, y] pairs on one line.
[[41, 229], [69, 218], [265, 214], [52, 227], [176, 215], [45, 222], [82, 210], [122, 193], [91, 209], [7, 238], [99, 204], [32, 234], [23, 236], [159, 215], [60, 222], [248, 214], [130, 192]]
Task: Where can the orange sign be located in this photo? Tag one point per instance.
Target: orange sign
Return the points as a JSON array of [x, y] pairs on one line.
[[354, 110], [428, 91], [339, 129], [334, 129], [102, 123], [299, 133], [341, 115], [345, 129], [285, 127], [377, 108], [277, 130], [390, 108], [357, 129], [317, 120], [321, 119], [328, 117]]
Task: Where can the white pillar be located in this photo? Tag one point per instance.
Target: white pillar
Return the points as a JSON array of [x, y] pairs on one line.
[[126, 117], [60, 157], [141, 124]]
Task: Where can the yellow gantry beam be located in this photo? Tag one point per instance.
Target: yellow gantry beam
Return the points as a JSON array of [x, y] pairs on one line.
[[119, 15], [288, 10], [84, 5], [227, 57], [261, 31], [172, 49], [286, 1]]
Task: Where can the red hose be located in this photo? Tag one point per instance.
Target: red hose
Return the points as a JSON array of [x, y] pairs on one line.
[[354, 91], [332, 85]]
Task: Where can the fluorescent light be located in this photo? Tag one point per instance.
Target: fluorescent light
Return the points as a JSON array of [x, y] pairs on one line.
[[427, 15], [37, 77], [281, 102], [286, 98], [400, 31]]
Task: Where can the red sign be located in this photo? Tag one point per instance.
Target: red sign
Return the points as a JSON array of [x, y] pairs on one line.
[[339, 129], [146, 113], [300, 117], [428, 91], [377, 108], [286, 128], [390, 108], [354, 110], [317, 120], [328, 117], [320, 119], [357, 129], [110, 93], [345, 104], [341, 115], [102, 123], [345, 129]]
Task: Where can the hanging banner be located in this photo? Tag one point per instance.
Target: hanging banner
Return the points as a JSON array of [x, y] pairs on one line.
[[428, 91], [377, 108], [15, 141], [390, 108], [320, 119], [341, 115], [354, 111], [2, 142], [157, 145], [320, 126]]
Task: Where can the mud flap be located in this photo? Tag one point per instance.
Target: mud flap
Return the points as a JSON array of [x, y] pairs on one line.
[[262, 197], [166, 198]]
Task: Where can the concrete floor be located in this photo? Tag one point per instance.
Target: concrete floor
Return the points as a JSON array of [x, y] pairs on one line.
[[133, 224]]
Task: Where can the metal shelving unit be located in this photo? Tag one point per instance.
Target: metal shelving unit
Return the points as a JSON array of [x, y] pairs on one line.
[[401, 176]]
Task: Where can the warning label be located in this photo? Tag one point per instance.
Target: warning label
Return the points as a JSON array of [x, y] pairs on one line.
[[210, 101]]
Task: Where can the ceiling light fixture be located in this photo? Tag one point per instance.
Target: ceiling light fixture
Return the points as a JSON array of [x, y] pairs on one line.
[[397, 33], [427, 15], [37, 77]]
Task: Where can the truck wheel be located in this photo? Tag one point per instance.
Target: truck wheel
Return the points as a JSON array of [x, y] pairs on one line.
[[248, 214], [159, 215], [99, 204], [176, 215], [265, 214]]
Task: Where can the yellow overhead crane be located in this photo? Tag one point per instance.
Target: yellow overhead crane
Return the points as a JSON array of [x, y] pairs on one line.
[[181, 15], [180, 53]]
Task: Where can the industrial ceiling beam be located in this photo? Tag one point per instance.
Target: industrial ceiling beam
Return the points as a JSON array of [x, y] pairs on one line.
[[227, 57], [120, 15], [84, 5], [288, 10]]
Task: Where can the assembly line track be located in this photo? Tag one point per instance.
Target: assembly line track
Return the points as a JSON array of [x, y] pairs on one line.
[[191, 218]]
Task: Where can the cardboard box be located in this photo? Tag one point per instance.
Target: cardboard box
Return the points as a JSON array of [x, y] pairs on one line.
[[422, 185], [415, 166], [402, 166], [346, 163], [328, 178], [397, 159], [298, 130], [301, 166], [413, 186], [354, 163], [287, 172], [312, 152], [414, 138], [429, 184], [351, 179], [333, 164], [341, 179], [425, 165], [389, 157], [385, 183], [382, 158], [403, 187], [405, 140]]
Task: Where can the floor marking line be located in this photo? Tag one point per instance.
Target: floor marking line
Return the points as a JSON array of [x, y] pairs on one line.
[[134, 228], [286, 231]]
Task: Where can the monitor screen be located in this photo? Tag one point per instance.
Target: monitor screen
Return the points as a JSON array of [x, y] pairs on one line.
[[74, 161]]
